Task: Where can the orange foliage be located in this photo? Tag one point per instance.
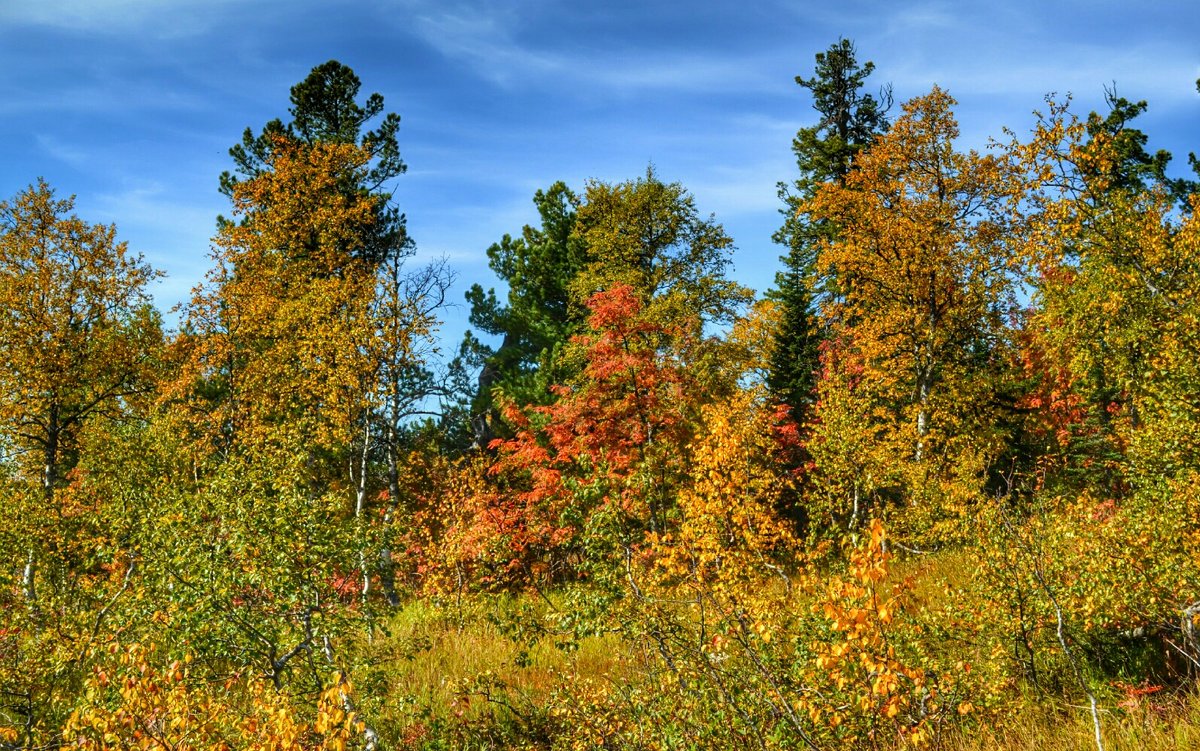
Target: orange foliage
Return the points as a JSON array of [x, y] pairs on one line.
[[611, 444]]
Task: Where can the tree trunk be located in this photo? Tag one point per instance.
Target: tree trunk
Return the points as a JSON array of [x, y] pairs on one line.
[[387, 569], [30, 577], [360, 511], [481, 422], [49, 483], [924, 386]]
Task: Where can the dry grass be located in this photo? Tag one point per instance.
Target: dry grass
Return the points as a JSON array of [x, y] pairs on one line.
[[439, 663], [1166, 725], [434, 656]]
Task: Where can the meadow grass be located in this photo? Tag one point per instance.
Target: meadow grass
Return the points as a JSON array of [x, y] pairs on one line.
[[448, 674]]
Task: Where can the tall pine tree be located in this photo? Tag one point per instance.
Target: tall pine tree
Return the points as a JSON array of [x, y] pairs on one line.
[[850, 121], [325, 109]]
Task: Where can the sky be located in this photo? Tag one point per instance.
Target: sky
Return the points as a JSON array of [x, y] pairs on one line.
[[132, 105]]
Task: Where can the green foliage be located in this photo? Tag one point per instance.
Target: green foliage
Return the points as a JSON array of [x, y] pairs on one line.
[[649, 235], [536, 319], [1128, 167], [850, 122]]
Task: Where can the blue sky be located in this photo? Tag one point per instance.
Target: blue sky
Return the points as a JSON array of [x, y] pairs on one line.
[[133, 104]]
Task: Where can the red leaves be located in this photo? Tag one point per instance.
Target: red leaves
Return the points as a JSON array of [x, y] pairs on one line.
[[586, 450]]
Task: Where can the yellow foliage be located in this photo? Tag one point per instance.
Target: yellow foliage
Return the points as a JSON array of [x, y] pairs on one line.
[[145, 706], [282, 334], [729, 511], [920, 255]]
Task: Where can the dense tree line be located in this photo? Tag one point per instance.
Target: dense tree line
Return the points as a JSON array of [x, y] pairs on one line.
[[947, 470]]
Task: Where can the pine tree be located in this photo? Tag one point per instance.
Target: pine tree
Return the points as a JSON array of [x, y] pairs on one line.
[[325, 110], [534, 320], [850, 121]]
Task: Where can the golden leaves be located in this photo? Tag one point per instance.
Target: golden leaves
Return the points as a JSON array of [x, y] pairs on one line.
[[728, 508], [146, 706], [77, 333], [284, 330], [919, 256]]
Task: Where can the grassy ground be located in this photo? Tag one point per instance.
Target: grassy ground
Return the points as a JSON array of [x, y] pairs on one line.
[[1168, 724], [439, 671], [474, 674]]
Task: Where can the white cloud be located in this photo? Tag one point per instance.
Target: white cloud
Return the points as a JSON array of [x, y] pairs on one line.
[[105, 94], [157, 18], [171, 228], [1082, 70], [737, 191], [486, 37], [483, 37], [149, 203], [62, 152], [923, 17]]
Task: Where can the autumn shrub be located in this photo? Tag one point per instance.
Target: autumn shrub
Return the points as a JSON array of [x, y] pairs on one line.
[[1073, 602], [812, 658], [597, 468], [83, 586], [446, 538], [134, 702], [721, 631]]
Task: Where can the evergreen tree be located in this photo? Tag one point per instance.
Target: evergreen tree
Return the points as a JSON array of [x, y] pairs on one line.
[[1128, 167], [850, 121], [324, 110], [535, 318]]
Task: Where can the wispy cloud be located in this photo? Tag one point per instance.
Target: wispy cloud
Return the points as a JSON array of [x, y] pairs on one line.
[[489, 39], [982, 48], [104, 95], [483, 37], [921, 17], [61, 151], [172, 229], [1081, 69], [153, 204], [158, 18], [735, 191]]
